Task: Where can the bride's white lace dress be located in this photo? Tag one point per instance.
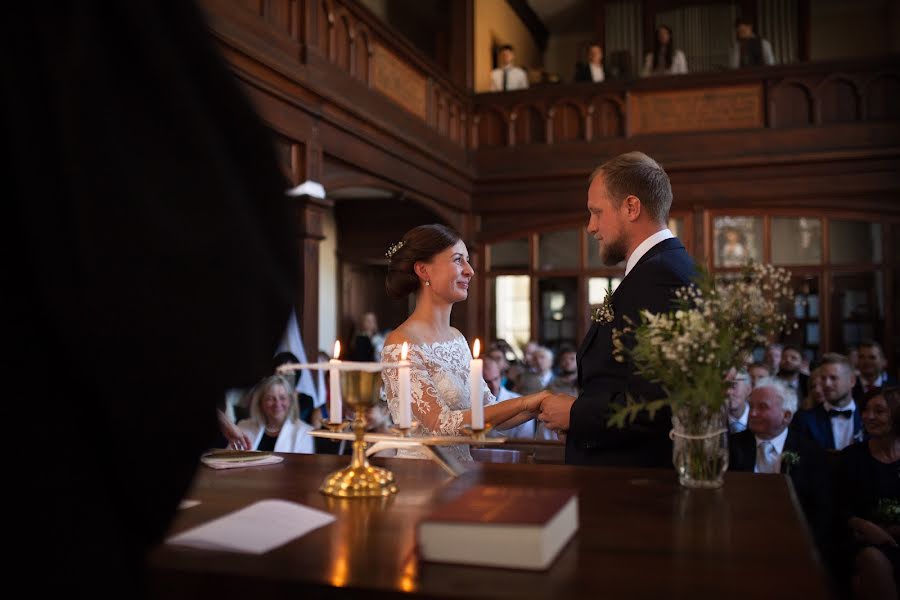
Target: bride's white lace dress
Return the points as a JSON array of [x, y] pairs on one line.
[[439, 389]]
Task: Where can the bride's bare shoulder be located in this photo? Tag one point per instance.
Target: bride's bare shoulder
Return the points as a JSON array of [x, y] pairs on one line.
[[409, 331]]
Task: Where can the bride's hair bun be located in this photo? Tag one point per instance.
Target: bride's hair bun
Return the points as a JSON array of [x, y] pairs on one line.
[[419, 244]]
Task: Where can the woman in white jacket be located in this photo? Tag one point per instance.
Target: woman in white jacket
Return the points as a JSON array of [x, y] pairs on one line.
[[274, 423]]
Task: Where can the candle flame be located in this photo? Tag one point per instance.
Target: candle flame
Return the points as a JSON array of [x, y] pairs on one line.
[[477, 348], [337, 349], [403, 350]]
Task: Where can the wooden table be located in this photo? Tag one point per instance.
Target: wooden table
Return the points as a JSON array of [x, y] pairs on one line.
[[640, 535]]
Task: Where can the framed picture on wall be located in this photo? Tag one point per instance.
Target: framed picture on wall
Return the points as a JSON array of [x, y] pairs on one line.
[[737, 239]]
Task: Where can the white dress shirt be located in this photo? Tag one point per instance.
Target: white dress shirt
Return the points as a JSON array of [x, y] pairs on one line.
[[597, 74], [645, 246], [778, 444], [516, 79], [841, 427]]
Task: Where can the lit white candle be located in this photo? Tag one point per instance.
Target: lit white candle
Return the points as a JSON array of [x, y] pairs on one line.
[[403, 391], [334, 408], [476, 395]]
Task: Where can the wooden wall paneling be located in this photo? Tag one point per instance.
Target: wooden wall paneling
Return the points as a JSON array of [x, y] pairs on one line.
[[838, 100], [325, 19], [279, 14], [529, 126], [567, 121], [881, 95], [491, 129], [790, 105], [363, 50], [343, 41]]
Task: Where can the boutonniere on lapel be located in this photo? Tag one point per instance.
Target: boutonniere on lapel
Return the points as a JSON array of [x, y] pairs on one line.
[[603, 314], [789, 459]]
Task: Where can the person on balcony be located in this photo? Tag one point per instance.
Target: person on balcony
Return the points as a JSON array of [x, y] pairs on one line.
[[508, 76], [665, 58], [592, 70], [750, 50]]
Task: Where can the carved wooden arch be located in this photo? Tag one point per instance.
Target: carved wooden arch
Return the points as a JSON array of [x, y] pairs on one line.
[[343, 15], [618, 105], [505, 118], [363, 39], [328, 12], [518, 109], [832, 79], [583, 112], [867, 88], [790, 83]]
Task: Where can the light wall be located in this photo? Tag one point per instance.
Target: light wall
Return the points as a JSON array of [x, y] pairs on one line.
[[496, 22], [328, 280], [852, 28], [563, 52]]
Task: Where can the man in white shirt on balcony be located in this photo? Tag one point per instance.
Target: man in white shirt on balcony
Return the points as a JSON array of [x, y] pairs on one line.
[[508, 76]]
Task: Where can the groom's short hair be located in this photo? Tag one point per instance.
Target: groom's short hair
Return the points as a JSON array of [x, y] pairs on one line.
[[635, 173]]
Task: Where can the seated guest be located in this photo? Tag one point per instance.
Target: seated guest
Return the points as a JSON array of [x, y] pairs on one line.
[[498, 355], [816, 394], [836, 423], [749, 50], [757, 371], [738, 392], [592, 70], [508, 76], [772, 357], [871, 366], [491, 373], [533, 382], [665, 58], [566, 379], [368, 341], [274, 423], [789, 371], [308, 412], [769, 446], [869, 498]]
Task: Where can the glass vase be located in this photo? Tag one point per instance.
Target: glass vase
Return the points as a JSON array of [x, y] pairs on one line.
[[700, 446]]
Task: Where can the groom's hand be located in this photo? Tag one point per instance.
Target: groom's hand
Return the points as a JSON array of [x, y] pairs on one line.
[[555, 410], [533, 402]]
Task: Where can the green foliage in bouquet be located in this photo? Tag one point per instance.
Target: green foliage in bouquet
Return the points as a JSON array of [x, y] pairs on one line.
[[688, 351]]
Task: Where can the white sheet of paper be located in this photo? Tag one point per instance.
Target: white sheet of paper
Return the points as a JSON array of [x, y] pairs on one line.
[[188, 503], [255, 529]]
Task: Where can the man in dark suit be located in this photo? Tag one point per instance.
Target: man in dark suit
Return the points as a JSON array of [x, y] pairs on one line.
[[592, 70], [789, 371], [836, 423], [769, 446], [871, 364], [629, 200]]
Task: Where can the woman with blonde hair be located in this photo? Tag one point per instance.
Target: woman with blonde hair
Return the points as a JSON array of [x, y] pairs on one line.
[[274, 423]]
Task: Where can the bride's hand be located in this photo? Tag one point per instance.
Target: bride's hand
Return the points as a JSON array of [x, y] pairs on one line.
[[533, 402]]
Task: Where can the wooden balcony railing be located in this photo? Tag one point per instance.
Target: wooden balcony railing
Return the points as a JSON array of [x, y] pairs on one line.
[[774, 97]]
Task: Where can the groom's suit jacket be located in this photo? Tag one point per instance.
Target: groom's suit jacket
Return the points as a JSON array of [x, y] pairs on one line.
[[650, 285]]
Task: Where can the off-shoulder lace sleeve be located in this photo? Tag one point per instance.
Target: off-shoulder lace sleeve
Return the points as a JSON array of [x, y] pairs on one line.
[[431, 384]]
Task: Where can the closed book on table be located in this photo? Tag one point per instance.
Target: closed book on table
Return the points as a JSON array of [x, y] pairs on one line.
[[499, 526]]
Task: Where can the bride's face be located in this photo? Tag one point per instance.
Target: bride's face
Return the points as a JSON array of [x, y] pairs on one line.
[[450, 273]]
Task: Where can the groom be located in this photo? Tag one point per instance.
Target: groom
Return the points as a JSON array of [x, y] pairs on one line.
[[628, 200]]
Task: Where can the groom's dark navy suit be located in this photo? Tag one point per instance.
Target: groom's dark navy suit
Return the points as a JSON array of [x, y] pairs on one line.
[[650, 285]]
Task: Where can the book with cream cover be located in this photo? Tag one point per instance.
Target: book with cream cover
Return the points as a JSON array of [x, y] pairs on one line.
[[500, 526]]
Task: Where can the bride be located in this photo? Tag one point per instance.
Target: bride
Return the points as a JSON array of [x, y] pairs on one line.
[[431, 262]]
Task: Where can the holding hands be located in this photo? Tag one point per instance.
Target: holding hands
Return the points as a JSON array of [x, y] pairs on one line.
[[551, 409]]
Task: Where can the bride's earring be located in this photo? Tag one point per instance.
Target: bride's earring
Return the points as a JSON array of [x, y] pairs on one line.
[[428, 283]]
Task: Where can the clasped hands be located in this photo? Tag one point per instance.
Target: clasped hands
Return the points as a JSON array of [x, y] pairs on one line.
[[550, 409]]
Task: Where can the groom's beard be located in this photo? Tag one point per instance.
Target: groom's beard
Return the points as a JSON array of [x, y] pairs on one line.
[[614, 252]]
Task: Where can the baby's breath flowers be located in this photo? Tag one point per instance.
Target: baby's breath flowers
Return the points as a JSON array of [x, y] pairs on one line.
[[715, 324]]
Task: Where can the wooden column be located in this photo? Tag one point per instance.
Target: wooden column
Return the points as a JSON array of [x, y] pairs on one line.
[[309, 214], [462, 20]]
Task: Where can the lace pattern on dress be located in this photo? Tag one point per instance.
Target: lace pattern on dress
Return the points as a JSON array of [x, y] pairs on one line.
[[439, 388]]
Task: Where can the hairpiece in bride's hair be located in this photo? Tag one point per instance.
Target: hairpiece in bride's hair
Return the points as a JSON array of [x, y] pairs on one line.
[[393, 250]]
